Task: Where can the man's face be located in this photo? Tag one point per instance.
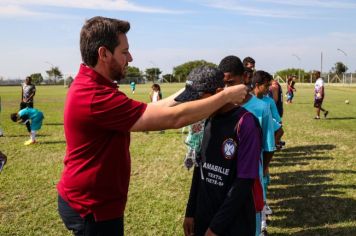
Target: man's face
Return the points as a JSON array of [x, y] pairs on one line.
[[120, 59], [28, 81]]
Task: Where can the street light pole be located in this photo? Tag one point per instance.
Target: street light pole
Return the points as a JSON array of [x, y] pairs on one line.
[[298, 58]]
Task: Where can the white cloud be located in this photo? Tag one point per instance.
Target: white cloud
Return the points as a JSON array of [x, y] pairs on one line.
[[313, 3], [251, 10], [19, 7], [293, 9], [11, 10]]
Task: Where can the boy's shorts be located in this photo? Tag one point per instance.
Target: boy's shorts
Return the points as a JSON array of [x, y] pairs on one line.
[[290, 96], [36, 123], [318, 103]]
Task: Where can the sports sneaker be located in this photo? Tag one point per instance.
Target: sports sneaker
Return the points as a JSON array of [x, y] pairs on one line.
[[29, 142], [267, 210], [317, 118], [326, 114], [264, 233], [263, 225]]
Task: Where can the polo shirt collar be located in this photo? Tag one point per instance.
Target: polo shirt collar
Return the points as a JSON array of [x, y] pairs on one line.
[[88, 71]]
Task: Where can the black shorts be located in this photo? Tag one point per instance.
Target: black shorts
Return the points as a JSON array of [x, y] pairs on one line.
[[26, 104], [318, 103], [87, 226]]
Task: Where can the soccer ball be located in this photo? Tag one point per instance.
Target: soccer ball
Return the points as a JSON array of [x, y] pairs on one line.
[[347, 101]]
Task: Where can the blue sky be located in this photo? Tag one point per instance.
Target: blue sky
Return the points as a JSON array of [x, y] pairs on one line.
[[279, 34]]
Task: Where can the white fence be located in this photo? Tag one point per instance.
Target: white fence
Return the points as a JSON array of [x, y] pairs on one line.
[[330, 78]]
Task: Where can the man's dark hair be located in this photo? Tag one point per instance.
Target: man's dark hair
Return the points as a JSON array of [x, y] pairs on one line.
[[261, 77], [13, 117], [100, 32], [248, 60], [232, 64]]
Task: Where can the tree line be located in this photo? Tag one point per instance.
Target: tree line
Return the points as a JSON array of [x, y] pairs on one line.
[[179, 74]]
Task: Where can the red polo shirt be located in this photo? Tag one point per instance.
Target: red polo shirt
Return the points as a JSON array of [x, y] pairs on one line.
[[97, 120]]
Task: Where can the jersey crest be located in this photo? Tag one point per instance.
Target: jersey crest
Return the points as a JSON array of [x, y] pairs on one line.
[[229, 148]]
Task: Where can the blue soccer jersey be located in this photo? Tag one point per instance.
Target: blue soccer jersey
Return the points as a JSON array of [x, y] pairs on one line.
[[34, 115], [262, 112], [274, 112]]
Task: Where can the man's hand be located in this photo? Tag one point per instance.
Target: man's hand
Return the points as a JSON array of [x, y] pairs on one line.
[[210, 233], [188, 226], [236, 94]]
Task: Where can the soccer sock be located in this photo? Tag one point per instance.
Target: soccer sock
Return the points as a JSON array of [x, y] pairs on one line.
[[266, 183], [33, 135]]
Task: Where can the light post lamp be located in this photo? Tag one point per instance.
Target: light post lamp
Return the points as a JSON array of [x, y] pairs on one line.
[[298, 58], [343, 52]]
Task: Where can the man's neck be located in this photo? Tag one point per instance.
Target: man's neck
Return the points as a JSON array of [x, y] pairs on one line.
[[102, 71]]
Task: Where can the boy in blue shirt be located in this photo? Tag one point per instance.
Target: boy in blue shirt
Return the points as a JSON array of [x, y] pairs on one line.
[[32, 115], [133, 86]]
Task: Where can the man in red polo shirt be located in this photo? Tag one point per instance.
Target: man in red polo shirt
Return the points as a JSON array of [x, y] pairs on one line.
[[98, 119]]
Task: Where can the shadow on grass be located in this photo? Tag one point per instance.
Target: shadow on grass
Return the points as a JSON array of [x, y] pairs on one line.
[[25, 135], [328, 231], [280, 161], [53, 124], [51, 142], [309, 148], [323, 231], [308, 199], [341, 118]]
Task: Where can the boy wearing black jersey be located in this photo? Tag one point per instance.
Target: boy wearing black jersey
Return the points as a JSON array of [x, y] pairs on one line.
[[221, 198]]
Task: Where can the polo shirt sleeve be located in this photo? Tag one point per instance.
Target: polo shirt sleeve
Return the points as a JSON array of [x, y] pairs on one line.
[[115, 111], [249, 152]]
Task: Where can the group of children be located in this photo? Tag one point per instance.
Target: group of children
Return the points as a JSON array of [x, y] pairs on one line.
[[231, 151]]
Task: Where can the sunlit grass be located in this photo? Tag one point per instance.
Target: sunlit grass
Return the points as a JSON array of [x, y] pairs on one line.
[[313, 180]]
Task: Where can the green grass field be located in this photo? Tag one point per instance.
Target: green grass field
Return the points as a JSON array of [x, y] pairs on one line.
[[312, 192]]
